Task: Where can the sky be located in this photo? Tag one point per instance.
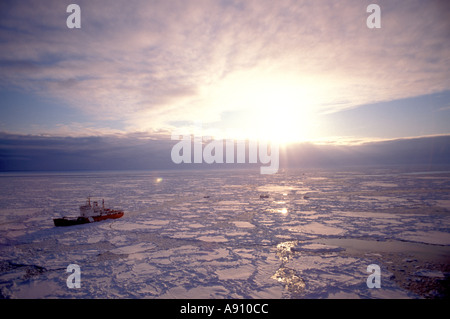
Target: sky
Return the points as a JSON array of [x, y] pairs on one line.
[[289, 71]]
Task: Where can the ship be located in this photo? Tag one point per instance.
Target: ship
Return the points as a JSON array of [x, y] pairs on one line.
[[89, 213]]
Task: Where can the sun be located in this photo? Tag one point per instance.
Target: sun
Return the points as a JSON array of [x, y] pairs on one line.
[[276, 108], [282, 115]]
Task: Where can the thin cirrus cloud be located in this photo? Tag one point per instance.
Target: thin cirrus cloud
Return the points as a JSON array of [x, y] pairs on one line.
[[146, 65]]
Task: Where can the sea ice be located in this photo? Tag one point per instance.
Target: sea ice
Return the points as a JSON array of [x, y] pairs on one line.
[[208, 234], [428, 237]]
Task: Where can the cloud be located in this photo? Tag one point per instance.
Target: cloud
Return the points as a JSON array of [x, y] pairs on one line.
[[50, 153], [444, 108], [152, 63], [142, 151]]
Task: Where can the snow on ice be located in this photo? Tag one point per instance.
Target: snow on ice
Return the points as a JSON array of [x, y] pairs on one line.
[[209, 234]]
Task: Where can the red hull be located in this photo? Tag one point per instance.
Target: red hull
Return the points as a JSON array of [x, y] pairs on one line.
[[109, 216], [84, 220]]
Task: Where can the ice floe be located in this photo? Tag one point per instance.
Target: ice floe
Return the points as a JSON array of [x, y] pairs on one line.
[[209, 234]]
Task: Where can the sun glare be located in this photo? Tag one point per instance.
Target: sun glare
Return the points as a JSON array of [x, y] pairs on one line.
[[272, 108]]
